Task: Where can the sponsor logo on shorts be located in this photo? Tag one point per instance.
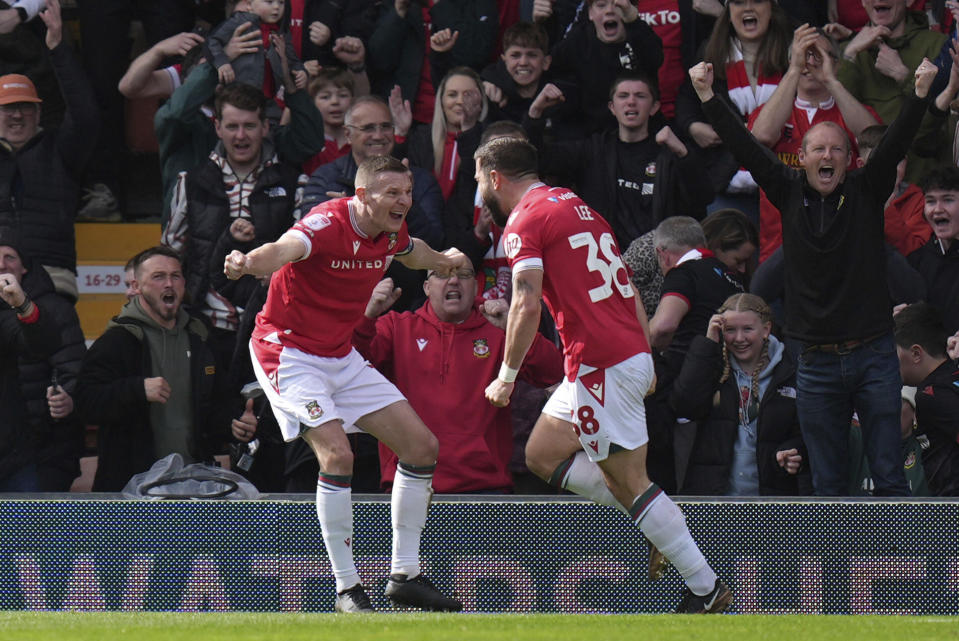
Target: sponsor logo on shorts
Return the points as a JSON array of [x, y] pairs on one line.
[[314, 409], [595, 384], [480, 348], [513, 243]]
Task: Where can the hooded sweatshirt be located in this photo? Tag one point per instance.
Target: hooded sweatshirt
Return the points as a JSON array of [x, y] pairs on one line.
[[170, 358], [744, 471], [443, 368]]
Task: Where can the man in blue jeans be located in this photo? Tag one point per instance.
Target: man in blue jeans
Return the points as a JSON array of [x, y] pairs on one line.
[[836, 296]]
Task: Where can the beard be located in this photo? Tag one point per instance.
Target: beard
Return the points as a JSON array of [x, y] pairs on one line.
[[495, 209]]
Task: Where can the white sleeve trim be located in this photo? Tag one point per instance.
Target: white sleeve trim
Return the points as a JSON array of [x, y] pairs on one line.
[[175, 80], [526, 264], [307, 245]]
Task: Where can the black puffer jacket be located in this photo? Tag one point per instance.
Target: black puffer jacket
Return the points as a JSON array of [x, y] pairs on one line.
[[18, 339], [694, 396], [208, 213], [60, 441], [39, 184]]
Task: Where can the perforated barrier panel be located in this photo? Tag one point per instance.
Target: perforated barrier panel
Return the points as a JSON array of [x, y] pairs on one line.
[[496, 556]]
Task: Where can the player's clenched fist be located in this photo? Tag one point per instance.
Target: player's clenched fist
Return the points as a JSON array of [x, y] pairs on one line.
[[701, 75], [234, 264], [498, 393], [458, 260]]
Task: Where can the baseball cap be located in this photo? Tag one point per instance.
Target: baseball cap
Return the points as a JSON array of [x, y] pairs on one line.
[[17, 88]]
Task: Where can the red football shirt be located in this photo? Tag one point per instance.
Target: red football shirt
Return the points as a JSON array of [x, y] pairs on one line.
[[585, 283], [313, 304]]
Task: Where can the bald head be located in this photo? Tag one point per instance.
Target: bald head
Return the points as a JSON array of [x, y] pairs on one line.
[[828, 124]]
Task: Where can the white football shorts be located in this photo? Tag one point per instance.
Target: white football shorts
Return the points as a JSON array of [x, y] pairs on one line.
[[310, 390], [606, 406]]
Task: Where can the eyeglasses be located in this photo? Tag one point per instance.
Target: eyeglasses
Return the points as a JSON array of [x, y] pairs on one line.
[[22, 107], [463, 274], [382, 127]]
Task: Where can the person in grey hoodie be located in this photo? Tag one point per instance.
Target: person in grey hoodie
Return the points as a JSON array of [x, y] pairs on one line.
[[152, 384]]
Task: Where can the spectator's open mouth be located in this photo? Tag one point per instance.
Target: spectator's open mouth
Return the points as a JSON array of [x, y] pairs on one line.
[[454, 295], [826, 172], [881, 10], [611, 28], [940, 221], [168, 298]]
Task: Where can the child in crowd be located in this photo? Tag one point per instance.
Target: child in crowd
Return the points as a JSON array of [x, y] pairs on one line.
[[513, 82], [265, 68], [332, 90]]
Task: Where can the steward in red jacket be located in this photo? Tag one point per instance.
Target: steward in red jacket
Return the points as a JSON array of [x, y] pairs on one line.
[[440, 357]]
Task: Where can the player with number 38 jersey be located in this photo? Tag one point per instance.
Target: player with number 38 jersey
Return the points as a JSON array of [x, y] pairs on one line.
[[585, 283], [591, 437]]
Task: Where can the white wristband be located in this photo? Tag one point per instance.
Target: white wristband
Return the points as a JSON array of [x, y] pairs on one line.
[[507, 374]]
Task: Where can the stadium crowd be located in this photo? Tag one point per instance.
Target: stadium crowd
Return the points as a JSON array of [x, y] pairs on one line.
[[801, 283]]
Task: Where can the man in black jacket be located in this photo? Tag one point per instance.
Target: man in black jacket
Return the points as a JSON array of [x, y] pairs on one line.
[[921, 347], [54, 432], [837, 301], [633, 175], [26, 330], [242, 190], [151, 382], [938, 260], [40, 168]]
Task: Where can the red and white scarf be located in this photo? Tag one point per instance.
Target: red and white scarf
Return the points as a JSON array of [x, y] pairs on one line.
[[747, 100]]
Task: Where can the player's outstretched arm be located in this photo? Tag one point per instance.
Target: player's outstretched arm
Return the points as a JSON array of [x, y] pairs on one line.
[[521, 326], [265, 259], [424, 257]]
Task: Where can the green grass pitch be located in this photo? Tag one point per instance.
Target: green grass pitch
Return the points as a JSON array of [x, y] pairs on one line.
[[249, 626]]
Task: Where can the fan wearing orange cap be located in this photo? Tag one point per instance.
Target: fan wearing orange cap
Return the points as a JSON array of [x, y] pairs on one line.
[[19, 110], [40, 167]]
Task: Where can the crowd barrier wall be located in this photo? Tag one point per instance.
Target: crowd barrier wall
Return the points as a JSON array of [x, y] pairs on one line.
[[522, 554]]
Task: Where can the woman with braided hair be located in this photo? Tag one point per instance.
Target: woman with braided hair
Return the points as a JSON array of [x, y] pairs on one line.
[[739, 385]]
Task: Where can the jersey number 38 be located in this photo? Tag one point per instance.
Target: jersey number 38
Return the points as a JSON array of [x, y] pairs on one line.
[[607, 266]]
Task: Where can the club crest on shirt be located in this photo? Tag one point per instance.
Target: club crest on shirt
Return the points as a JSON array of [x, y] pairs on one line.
[[512, 244], [910, 461], [651, 169], [314, 409], [392, 240], [480, 348]]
